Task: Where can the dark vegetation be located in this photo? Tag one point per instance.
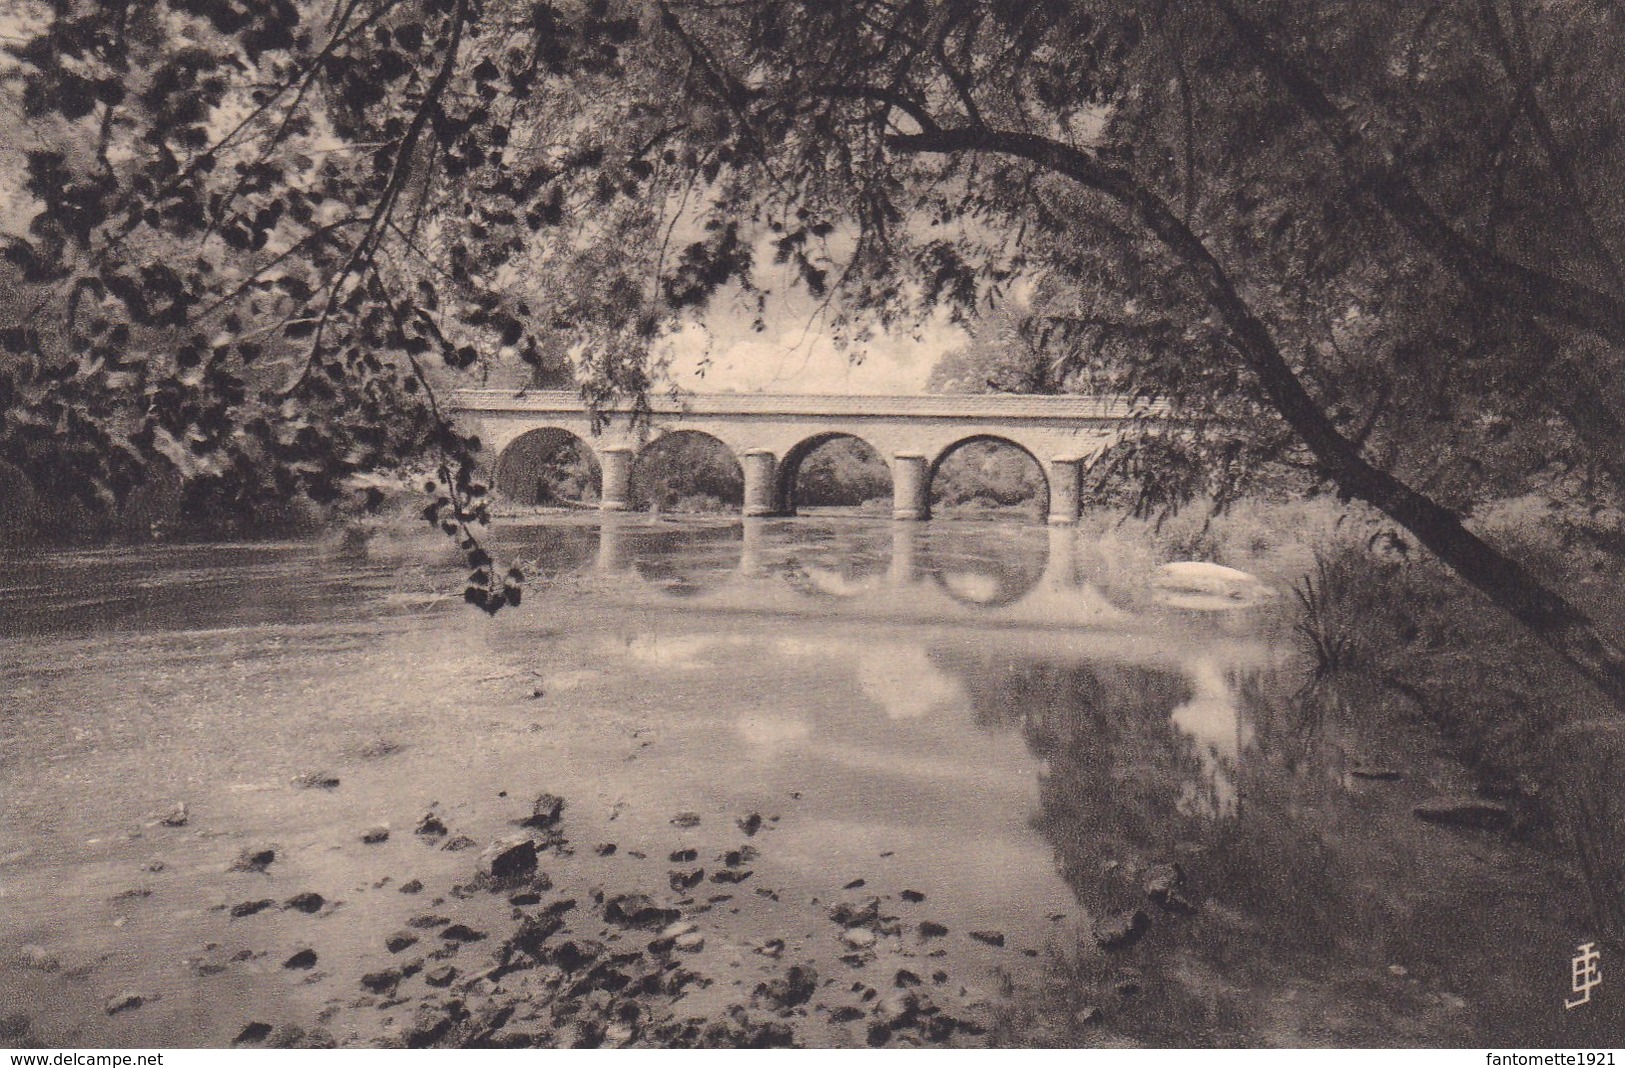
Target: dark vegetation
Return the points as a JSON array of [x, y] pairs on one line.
[[687, 472], [548, 468], [843, 472], [984, 475]]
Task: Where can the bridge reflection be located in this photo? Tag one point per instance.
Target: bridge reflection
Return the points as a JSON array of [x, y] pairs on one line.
[[1039, 576]]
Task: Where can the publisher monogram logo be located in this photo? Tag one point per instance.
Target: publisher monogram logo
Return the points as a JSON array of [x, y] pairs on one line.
[[1587, 973]]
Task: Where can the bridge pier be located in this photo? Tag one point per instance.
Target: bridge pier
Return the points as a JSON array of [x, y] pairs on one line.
[[752, 533], [613, 555], [761, 489], [615, 472], [1064, 474], [904, 569], [910, 487]]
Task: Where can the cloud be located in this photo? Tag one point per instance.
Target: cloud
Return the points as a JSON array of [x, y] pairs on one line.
[[795, 354]]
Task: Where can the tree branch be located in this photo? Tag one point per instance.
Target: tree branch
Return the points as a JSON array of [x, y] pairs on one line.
[[1497, 277], [1547, 614]]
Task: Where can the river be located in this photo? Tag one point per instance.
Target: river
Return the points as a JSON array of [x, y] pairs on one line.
[[998, 734]]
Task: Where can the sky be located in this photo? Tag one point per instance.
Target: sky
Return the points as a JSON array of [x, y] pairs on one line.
[[796, 354]]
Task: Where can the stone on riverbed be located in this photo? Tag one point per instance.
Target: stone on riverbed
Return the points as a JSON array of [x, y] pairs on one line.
[[686, 879], [252, 1033], [1465, 812], [858, 937], [638, 910], [256, 858], [309, 901], [400, 940], [1121, 929], [125, 1002], [545, 813], [382, 982], [849, 915], [248, 908], [795, 987], [511, 859]]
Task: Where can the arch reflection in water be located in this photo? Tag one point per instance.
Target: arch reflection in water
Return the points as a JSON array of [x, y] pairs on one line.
[[680, 560], [840, 560], [1027, 574], [987, 567]]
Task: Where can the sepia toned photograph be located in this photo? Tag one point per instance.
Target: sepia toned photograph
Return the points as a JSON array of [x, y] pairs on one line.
[[812, 524]]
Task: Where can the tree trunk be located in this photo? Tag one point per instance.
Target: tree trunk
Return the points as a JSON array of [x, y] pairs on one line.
[[1508, 584]]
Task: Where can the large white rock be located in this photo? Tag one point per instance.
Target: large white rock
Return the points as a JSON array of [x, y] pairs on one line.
[[1207, 587]]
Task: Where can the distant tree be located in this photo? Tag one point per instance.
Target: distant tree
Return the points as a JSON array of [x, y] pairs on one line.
[[842, 472], [1003, 355], [991, 471], [687, 472]]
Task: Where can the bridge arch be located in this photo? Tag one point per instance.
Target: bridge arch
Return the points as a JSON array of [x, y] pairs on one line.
[[687, 470], [788, 493], [548, 465], [1041, 495]]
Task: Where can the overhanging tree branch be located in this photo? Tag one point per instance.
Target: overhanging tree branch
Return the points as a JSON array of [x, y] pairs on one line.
[[1559, 624]]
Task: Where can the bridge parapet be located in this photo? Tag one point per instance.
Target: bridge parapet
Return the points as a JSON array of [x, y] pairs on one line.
[[830, 405]]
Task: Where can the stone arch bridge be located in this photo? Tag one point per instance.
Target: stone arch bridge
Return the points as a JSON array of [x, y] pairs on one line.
[[770, 434]]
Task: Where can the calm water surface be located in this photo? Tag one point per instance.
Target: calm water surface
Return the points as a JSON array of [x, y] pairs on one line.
[[992, 715]]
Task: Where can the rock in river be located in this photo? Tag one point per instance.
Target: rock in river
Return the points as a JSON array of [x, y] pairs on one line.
[[637, 910], [1465, 812], [254, 859], [509, 860], [124, 1002], [545, 813], [1199, 585], [1121, 929], [309, 901]]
